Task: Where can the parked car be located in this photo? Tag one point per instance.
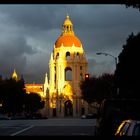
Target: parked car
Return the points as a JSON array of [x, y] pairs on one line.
[[112, 112], [128, 128], [89, 116], [18, 117], [4, 117]]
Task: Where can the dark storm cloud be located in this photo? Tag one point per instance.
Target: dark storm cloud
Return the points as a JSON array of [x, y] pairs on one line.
[[30, 32], [36, 17], [12, 53], [15, 46], [97, 68], [37, 66], [107, 28]]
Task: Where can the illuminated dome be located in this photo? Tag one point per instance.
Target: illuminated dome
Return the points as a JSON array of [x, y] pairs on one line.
[[67, 38], [67, 41]]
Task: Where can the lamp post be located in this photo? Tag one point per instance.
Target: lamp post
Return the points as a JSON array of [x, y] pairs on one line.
[[116, 61], [107, 54]]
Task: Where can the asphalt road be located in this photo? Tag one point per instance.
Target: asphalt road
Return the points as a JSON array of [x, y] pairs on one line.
[[48, 127]]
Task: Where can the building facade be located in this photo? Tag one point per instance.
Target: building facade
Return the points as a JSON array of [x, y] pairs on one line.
[[31, 88], [35, 88], [68, 66]]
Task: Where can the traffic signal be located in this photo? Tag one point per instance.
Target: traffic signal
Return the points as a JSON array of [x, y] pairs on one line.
[[86, 76]]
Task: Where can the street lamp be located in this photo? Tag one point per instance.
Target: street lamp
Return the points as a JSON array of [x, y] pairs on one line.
[[107, 54], [116, 61]]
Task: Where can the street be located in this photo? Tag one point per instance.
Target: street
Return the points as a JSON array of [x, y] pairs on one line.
[[48, 127]]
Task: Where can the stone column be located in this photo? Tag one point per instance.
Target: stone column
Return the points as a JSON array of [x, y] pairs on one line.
[[61, 106], [74, 107], [57, 106]]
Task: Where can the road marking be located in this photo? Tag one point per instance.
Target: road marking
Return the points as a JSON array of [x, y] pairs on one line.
[[18, 132]]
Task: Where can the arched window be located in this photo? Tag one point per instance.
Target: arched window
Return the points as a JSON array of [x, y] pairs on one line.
[[77, 55], [57, 55], [64, 27], [67, 55], [67, 28], [68, 74]]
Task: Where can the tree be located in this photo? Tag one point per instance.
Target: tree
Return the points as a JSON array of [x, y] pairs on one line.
[[12, 94], [33, 103], [134, 5], [97, 89], [127, 73], [15, 100]]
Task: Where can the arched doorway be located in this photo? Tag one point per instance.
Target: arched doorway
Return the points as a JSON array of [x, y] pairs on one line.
[[68, 108]]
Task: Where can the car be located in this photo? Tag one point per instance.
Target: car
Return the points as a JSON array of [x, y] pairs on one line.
[[4, 117], [83, 117], [18, 117], [112, 112], [128, 128], [89, 116]]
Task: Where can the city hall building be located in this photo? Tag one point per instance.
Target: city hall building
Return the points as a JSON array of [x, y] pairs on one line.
[[68, 66]]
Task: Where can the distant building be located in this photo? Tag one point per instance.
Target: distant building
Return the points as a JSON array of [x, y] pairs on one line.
[[14, 75], [31, 88], [35, 88]]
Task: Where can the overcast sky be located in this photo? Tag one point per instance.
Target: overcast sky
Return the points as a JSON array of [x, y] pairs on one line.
[[28, 33]]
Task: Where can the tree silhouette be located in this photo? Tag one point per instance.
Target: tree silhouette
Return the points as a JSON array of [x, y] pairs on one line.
[[14, 98], [134, 5], [97, 89], [127, 73], [12, 94], [33, 103]]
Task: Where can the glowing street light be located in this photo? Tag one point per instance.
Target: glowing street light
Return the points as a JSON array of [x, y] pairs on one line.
[[86, 76]]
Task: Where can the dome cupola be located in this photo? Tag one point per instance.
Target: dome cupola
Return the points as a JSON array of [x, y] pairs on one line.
[[67, 37]]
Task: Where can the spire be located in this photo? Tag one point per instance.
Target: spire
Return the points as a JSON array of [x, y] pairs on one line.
[[46, 80], [14, 75], [46, 85], [67, 26], [67, 17]]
